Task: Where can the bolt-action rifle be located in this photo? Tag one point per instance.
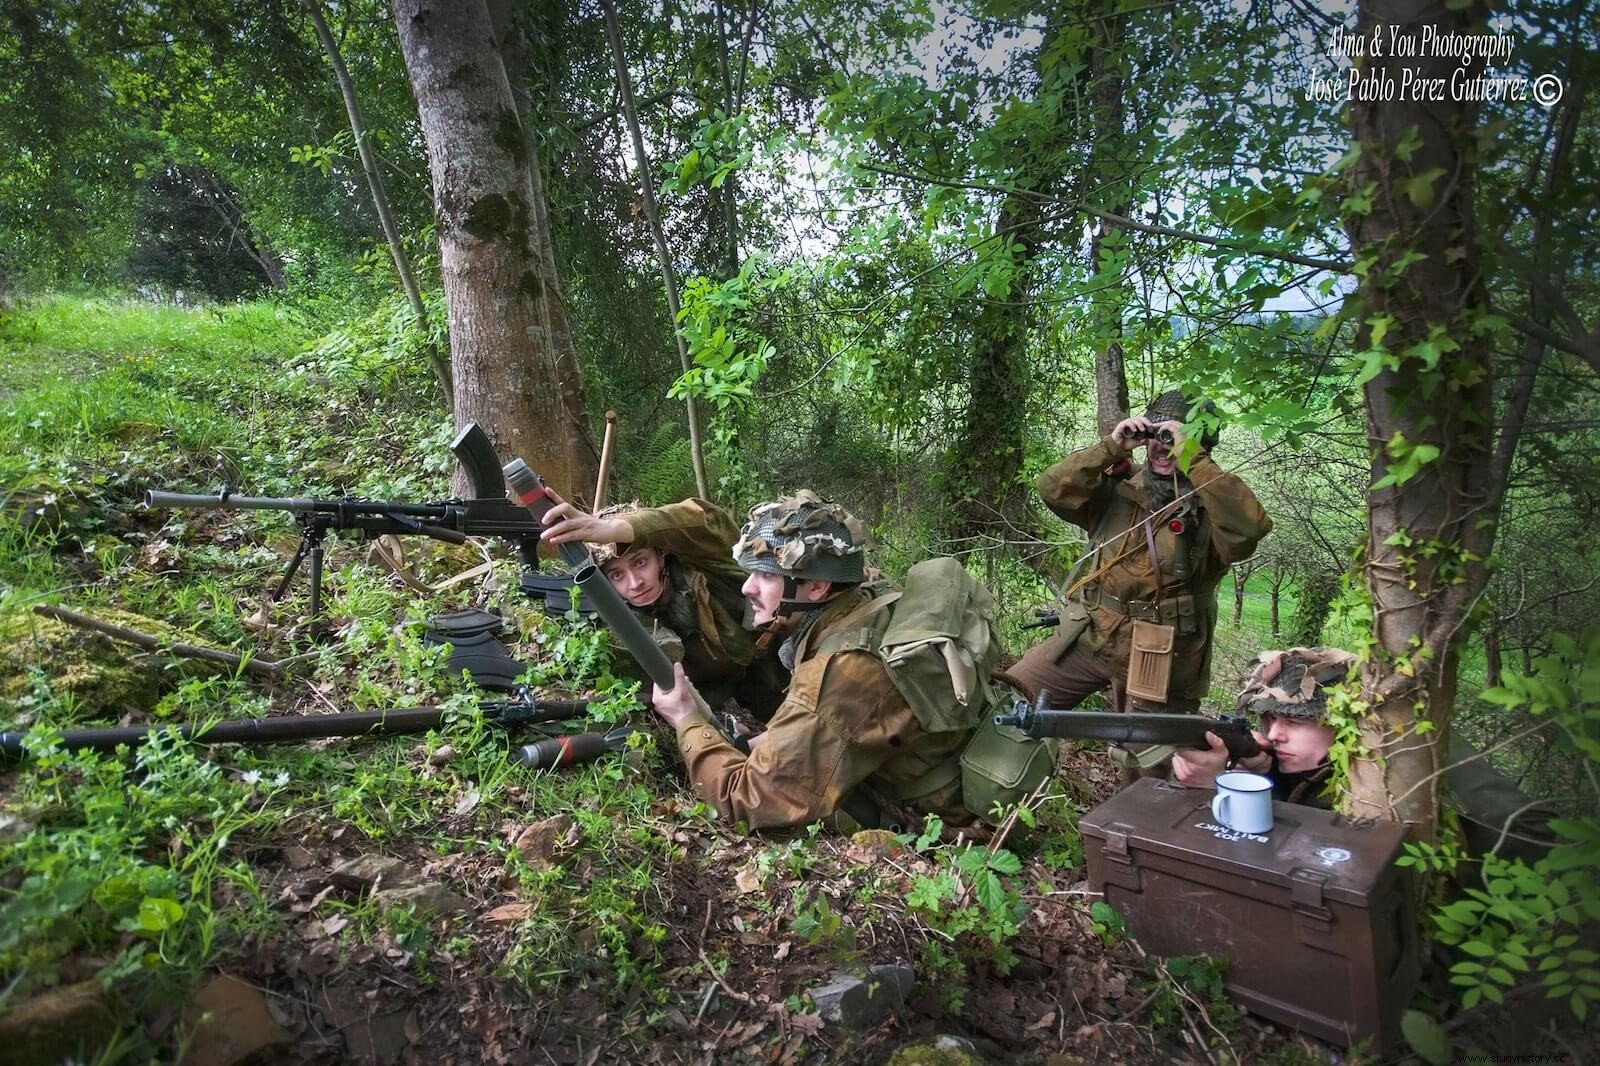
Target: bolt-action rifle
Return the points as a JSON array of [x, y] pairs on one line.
[[1130, 730]]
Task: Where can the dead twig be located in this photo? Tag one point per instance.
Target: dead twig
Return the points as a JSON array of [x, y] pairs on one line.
[[267, 668]]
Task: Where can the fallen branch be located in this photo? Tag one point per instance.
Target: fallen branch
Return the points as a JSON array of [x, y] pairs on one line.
[[268, 668]]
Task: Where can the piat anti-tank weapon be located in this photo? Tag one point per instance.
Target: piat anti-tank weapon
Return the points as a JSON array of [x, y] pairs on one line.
[[520, 712]]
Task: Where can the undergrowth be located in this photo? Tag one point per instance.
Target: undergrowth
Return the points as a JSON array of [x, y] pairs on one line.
[[144, 870]]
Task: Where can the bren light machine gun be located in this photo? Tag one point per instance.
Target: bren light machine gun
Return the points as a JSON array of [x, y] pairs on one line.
[[487, 514]]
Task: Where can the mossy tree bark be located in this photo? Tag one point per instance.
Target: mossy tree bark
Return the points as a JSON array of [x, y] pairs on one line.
[[1422, 306], [509, 375]]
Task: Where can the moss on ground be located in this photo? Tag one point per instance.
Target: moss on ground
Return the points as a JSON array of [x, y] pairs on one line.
[[99, 678]]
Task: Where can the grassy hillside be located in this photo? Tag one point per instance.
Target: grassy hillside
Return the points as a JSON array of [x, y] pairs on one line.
[[598, 913]]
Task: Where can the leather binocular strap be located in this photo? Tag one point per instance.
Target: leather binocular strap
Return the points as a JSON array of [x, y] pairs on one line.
[[1155, 560]]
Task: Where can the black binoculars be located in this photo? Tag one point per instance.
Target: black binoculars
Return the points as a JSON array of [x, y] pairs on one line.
[[1162, 435]]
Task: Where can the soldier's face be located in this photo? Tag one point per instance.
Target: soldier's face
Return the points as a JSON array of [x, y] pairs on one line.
[[637, 576], [1301, 744], [765, 593], [1159, 455]]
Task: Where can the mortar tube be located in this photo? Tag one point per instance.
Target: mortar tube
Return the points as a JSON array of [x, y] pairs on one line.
[[624, 624]]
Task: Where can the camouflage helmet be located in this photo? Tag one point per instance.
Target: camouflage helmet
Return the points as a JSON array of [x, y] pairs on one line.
[[1173, 406], [804, 537], [603, 552], [1290, 684]]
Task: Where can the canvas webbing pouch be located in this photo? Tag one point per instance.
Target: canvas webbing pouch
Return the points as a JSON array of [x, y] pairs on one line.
[[1150, 661], [1001, 766]]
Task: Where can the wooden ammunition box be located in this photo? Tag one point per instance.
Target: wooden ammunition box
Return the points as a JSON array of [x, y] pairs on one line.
[[1315, 919]]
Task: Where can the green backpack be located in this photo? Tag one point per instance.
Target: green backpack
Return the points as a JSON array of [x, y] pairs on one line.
[[937, 640]]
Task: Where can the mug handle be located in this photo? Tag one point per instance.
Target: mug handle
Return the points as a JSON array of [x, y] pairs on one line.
[[1219, 807]]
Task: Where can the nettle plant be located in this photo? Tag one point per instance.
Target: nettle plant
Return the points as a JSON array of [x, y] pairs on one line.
[[1525, 923], [965, 893]]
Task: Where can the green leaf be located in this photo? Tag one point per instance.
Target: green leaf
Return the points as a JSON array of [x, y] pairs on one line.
[[1419, 190], [1426, 1037], [157, 914], [926, 894], [989, 891], [1004, 862], [972, 860]]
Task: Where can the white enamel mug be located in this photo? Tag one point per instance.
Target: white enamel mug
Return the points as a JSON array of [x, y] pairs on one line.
[[1243, 802]]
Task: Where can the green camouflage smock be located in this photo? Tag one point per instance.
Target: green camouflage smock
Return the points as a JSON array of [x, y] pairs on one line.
[[842, 724], [704, 607], [1092, 646]]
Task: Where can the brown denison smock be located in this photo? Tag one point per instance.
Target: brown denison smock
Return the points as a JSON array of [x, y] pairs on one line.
[[841, 724], [1092, 645], [705, 606]]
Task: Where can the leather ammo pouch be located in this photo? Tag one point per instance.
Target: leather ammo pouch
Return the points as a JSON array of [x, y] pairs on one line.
[[1150, 661]]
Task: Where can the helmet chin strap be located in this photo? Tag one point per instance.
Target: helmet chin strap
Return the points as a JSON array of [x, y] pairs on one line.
[[792, 605]]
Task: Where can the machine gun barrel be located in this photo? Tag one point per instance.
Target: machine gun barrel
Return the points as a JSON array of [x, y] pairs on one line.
[[1137, 728], [346, 511]]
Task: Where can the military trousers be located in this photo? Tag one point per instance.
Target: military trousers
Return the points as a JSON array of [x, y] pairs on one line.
[[1073, 668]]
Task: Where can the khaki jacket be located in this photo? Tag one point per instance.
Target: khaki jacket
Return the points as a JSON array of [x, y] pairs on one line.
[[842, 724], [705, 607], [1232, 524]]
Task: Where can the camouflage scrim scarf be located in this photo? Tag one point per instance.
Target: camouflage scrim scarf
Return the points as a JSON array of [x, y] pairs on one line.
[[1162, 491]]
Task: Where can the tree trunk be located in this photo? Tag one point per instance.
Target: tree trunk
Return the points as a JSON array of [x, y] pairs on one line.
[[514, 53], [266, 257], [725, 198], [988, 459], [1108, 170], [1491, 655], [1240, 576], [1110, 385], [1429, 534], [507, 373], [380, 198], [1277, 587], [647, 202], [1316, 590]]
